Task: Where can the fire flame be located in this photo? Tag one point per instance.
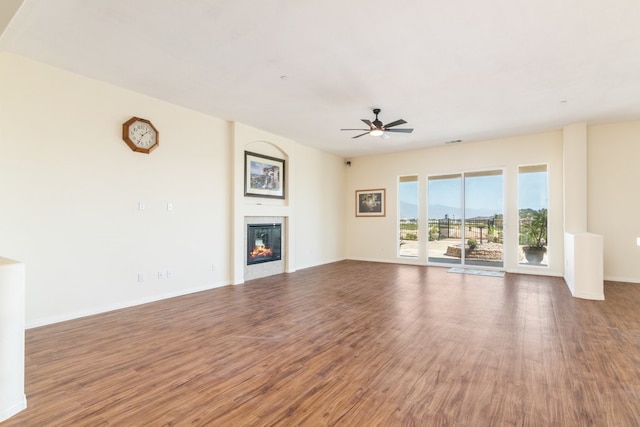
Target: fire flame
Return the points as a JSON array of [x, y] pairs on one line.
[[260, 251]]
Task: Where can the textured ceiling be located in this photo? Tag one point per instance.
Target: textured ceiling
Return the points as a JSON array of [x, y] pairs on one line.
[[304, 69]]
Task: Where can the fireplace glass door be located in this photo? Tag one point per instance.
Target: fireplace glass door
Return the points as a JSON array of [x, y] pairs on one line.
[[264, 243]]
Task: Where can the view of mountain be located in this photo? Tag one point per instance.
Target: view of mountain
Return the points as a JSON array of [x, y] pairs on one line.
[[409, 210]]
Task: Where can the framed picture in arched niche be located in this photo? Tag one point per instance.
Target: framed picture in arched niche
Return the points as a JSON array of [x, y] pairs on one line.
[[370, 202], [263, 176]]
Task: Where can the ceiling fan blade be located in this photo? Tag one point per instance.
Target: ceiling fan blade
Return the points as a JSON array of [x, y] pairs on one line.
[[357, 129], [400, 130], [368, 123], [396, 123], [362, 134]]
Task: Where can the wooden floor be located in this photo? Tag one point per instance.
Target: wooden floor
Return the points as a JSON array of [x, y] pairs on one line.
[[353, 344]]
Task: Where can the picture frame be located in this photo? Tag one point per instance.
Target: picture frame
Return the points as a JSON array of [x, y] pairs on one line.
[[371, 202], [263, 176]]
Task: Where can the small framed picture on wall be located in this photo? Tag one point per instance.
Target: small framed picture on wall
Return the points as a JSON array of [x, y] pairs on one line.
[[370, 202]]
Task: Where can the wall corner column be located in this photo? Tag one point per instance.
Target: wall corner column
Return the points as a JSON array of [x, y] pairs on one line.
[[583, 251], [12, 326], [575, 177]]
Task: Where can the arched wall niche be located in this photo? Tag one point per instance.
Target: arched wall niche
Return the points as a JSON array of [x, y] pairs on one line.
[[267, 148], [271, 149]]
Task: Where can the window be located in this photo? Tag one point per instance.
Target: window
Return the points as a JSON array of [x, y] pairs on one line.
[[532, 209], [408, 216]]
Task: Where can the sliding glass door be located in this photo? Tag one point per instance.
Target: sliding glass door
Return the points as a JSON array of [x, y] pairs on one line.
[[483, 217], [466, 213], [445, 219]]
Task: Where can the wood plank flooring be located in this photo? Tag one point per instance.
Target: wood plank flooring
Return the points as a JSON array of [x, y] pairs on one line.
[[351, 344]]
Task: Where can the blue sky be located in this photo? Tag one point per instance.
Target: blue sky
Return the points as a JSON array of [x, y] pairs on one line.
[[532, 191], [483, 192]]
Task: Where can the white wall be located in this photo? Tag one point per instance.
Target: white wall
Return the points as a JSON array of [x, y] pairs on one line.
[[71, 188], [614, 206], [376, 239], [320, 207]]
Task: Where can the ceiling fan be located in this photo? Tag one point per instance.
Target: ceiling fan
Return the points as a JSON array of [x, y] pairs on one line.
[[376, 128]]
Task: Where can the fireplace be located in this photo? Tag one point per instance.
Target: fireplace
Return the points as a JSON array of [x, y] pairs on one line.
[[264, 243]]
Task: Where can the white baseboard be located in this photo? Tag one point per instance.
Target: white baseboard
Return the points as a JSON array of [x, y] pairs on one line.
[[622, 279], [586, 295], [125, 304], [302, 267]]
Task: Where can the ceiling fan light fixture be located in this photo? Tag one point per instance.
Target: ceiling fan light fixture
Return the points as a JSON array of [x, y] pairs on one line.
[[376, 128]]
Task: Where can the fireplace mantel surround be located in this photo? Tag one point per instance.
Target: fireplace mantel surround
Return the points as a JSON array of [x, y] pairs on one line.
[[261, 210]]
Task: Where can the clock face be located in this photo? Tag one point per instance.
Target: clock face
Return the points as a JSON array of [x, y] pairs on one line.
[[140, 135]]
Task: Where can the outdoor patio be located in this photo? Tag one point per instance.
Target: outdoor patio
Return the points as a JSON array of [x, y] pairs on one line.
[[438, 250]]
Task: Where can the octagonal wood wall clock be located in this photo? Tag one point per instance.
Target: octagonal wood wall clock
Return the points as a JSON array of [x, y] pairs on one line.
[[140, 135]]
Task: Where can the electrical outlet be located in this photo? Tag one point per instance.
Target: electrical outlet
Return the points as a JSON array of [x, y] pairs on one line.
[[638, 241], [160, 275], [169, 274], [140, 206], [213, 267], [140, 277]]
